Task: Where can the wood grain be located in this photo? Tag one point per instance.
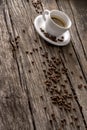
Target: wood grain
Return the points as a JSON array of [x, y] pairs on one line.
[[25, 102], [79, 46]]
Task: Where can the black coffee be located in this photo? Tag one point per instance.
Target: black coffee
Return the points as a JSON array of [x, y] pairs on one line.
[[58, 21]]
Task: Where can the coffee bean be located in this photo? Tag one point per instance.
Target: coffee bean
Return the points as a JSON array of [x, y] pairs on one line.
[[29, 71], [43, 55], [80, 86], [78, 126], [48, 83], [69, 95], [36, 49], [53, 116], [65, 81], [72, 116], [26, 52], [33, 62], [62, 37], [53, 57], [23, 31], [72, 72], [60, 107], [80, 77], [45, 108], [41, 97], [54, 102], [17, 46], [41, 30], [17, 42], [65, 91], [75, 118], [35, 40], [44, 71], [17, 37], [63, 85], [44, 62], [33, 49], [60, 40], [55, 86], [71, 123], [49, 72], [85, 86], [74, 109], [31, 53], [48, 60], [40, 48], [45, 76], [70, 54]]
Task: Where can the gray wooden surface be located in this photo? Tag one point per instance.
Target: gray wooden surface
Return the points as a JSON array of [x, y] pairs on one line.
[[31, 97]]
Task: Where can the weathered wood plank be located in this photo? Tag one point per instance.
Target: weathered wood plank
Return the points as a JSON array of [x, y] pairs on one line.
[[14, 107], [25, 102], [77, 62], [24, 64], [57, 113]]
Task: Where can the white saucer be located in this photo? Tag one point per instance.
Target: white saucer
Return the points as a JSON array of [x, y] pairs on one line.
[[40, 23]]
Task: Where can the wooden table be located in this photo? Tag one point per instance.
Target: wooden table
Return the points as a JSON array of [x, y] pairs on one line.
[[42, 87]]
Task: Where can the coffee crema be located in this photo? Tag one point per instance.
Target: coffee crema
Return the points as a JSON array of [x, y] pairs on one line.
[[58, 21]]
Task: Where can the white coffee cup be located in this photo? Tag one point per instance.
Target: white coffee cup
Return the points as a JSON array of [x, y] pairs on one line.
[[53, 28]]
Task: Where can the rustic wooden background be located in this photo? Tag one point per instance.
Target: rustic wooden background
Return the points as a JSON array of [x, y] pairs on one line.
[[29, 100]]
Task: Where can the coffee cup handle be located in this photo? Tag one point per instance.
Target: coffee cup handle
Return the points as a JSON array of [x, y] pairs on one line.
[[46, 12]]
